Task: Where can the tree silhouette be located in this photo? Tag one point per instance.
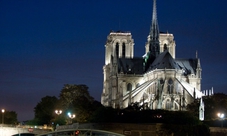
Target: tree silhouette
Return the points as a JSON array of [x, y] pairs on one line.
[[44, 110]]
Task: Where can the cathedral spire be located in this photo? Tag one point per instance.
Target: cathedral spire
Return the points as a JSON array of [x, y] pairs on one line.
[[154, 46], [198, 69]]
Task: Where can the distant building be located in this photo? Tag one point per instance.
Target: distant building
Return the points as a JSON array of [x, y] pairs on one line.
[[157, 79]]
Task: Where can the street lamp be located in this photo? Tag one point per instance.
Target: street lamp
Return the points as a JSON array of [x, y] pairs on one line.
[[71, 116], [3, 110], [221, 116], [58, 112]]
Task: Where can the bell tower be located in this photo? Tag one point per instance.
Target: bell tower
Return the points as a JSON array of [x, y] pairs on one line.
[[118, 45]]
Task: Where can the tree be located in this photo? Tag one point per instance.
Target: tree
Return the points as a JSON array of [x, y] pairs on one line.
[[193, 108], [217, 103], [73, 98], [10, 117], [76, 99], [213, 104], [44, 110]]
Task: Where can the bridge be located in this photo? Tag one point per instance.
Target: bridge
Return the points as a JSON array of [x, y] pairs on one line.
[[87, 129], [83, 129], [93, 129], [11, 130], [81, 132], [65, 130]]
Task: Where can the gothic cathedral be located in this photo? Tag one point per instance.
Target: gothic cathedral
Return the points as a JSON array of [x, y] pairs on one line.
[[157, 79]]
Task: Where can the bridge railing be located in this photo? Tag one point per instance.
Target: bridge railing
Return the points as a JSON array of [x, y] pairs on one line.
[[26, 126], [64, 127], [81, 132]]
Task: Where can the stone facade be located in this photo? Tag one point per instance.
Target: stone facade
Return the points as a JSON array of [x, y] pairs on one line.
[[157, 79]]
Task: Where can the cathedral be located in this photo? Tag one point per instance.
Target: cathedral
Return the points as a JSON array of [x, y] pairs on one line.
[[157, 79]]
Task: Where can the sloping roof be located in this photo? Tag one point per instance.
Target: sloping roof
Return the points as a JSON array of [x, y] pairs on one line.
[[188, 65], [130, 65], [164, 61]]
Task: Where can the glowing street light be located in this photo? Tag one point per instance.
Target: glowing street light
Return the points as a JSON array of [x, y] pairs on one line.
[[71, 116], [58, 112], [221, 116], [3, 110]]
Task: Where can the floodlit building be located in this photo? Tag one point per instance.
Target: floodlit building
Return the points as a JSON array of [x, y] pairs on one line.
[[157, 79]]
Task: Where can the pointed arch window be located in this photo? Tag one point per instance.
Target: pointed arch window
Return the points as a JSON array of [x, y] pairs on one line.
[[129, 87], [170, 86], [123, 50], [165, 47], [117, 49], [168, 104]]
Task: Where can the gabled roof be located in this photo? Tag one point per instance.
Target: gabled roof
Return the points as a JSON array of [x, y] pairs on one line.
[[130, 65], [188, 65], [164, 61]]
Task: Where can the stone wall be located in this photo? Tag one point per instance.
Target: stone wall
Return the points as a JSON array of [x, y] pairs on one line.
[[218, 131], [126, 129], [155, 129]]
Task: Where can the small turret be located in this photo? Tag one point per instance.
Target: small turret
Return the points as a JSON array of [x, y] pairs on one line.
[[201, 109], [198, 69]]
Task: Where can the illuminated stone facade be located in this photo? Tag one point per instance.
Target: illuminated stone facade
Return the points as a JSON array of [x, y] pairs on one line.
[[157, 80]]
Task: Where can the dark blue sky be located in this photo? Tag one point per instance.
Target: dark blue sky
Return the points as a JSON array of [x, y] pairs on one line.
[[45, 44]]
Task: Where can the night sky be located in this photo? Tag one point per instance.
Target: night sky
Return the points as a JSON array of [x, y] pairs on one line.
[[45, 44]]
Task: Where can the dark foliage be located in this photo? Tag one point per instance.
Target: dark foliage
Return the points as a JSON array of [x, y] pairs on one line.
[[186, 130], [213, 104], [44, 110], [103, 114], [10, 117], [76, 99], [179, 123], [108, 114]]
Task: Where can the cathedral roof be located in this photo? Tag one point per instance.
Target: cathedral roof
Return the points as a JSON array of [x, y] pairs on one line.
[[188, 65], [130, 65], [164, 61]]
